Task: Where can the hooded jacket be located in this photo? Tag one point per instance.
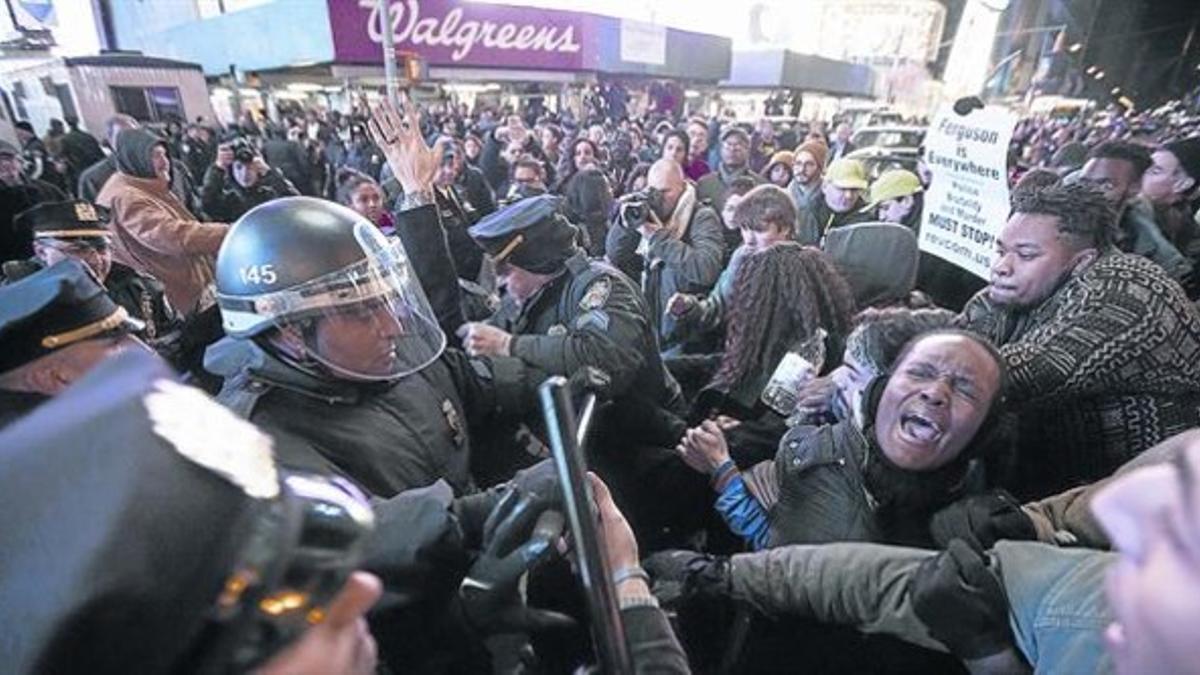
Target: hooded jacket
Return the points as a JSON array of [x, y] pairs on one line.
[[879, 260], [153, 232]]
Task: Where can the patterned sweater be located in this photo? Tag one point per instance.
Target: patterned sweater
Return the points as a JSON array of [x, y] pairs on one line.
[[1103, 369]]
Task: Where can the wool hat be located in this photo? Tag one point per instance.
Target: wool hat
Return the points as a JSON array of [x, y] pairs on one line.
[[819, 151]]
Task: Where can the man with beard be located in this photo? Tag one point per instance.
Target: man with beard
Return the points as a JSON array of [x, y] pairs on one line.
[[735, 162], [1103, 346], [153, 232], [807, 172], [839, 203], [92, 180], [1116, 169]]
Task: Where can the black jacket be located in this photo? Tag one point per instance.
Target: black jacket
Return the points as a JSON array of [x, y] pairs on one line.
[[291, 160], [13, 200], [225, 200], [388, 437]]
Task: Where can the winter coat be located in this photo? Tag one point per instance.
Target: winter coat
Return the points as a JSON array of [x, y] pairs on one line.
[[152, 231], [690, 264], [879, 260], [1104, 368]]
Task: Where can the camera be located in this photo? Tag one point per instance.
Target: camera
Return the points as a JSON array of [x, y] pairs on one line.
[[636, 207], [242, 151]]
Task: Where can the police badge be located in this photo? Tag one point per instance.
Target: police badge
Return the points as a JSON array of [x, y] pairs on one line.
[[453, 421]]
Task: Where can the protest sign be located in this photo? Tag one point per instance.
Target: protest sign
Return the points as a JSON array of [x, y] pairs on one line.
[[967, 201]]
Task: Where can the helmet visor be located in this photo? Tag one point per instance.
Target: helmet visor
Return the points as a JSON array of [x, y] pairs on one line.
[[367, 321]]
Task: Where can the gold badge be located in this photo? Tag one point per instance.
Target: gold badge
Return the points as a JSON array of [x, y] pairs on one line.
[[453, 421], [597, 294], [85, 212]]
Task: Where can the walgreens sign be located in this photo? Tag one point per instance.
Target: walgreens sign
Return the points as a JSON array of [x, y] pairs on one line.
[[449, 33]]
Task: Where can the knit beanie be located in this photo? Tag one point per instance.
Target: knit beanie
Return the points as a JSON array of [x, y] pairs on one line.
[[818, 150]]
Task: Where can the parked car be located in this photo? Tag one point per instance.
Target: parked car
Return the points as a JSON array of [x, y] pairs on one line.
[[887, 147]]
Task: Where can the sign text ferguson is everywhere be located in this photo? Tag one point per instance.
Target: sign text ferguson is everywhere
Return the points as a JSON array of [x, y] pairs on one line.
[[967, 202]]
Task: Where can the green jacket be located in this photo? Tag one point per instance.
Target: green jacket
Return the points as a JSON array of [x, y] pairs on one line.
[[1057, 610]]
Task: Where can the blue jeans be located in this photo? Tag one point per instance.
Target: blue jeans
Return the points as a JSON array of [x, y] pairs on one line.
[[1057, 605]]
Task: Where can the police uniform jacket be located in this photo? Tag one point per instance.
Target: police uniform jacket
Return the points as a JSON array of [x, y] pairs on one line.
[[591, 315], [388, 437]]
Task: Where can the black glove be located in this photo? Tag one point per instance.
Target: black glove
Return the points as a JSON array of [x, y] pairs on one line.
[[489, 597], [416, 548], [962, 603], [591, 380], [539, 482], [981, 521], [682, 575]]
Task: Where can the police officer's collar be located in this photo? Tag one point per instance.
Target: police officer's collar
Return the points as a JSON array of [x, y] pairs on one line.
[[578, 263], [231, 357]]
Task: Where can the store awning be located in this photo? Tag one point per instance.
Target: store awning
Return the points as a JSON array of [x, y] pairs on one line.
[[785, 69]]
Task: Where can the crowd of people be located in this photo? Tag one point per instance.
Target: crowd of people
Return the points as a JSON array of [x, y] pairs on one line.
[[269, 396]]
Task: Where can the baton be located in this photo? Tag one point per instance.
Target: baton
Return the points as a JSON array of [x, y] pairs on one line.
[[608, 632]]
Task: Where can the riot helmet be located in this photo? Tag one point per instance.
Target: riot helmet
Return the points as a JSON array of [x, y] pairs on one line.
[[332, 284]]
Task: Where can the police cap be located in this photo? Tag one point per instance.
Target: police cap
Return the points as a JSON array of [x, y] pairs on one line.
[[54, 308], [531, 234], [74, 219], [146, 522]]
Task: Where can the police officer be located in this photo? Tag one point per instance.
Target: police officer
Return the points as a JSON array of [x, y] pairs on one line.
[[239, 180], [561, 311], [97, 574], [334, 350], [55, 326], [77, 229]]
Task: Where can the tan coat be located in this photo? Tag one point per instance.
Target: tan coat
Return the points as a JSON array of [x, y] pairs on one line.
[[154, 234]]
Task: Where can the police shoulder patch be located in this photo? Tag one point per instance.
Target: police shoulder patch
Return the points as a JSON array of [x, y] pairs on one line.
[[596, 295], [557, 330]]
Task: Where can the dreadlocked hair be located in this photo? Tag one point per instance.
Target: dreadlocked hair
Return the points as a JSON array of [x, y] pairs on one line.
[[781, 296], [1083, 212]]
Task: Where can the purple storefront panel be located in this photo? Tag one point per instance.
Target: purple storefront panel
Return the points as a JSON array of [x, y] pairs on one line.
[[451, 33]]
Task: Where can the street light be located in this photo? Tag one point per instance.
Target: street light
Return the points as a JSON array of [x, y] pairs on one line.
[[1115, 91], [1091, 70], [1075, 47], [1100, 75]]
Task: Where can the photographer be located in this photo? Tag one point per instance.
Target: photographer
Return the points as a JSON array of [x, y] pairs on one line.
[[670, 240], [239, 180]]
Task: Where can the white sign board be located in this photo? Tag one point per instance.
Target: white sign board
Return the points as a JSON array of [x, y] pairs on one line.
[[967, 201], [643, 42]]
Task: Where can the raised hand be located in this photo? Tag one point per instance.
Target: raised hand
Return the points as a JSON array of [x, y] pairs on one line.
[[397, 133]]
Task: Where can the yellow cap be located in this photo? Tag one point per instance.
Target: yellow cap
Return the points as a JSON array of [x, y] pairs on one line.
[[894, 184], [847, 174]]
